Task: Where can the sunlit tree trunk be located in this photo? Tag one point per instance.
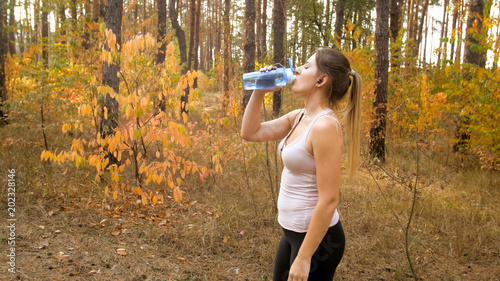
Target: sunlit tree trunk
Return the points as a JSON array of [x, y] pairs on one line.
[[249, 48], [378, 125]]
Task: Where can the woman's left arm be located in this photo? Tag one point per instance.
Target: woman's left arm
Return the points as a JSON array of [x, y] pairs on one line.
[[326, 141]]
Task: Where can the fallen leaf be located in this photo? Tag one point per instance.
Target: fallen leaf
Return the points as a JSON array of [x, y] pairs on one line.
[[121, 252], [116, 233]]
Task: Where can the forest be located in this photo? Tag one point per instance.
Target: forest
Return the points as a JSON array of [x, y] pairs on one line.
[[121, 156]]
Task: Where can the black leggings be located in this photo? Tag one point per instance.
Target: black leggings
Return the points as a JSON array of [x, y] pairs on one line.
[[324, 261]]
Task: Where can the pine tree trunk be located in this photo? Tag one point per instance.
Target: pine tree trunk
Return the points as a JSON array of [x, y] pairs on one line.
[[456, 7], [263, 32], [249, 48], [475, 16], [472, 57], [62, 17], [12, 32], [179, 33], [378, 126], [197, 32], [3, 49], [113, 21], [162, 31], [226, 50], [395, 26], [339, 21], [443, 28], [45, 34], [279, 27]]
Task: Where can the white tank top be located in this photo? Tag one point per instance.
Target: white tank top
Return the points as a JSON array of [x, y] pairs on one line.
[[298, 194]]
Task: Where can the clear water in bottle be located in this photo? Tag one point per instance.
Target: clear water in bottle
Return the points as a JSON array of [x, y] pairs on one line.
[[268, 80]]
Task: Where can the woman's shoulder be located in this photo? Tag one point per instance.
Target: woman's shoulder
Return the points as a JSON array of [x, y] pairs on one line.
[[327, 125]]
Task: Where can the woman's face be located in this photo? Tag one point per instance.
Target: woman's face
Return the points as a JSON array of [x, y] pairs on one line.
[[306, 77]]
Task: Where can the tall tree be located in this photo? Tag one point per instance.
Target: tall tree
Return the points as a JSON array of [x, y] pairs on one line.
[[378, 125], [456, 8], [263, 32], [181, 38], [226, 48], [339, 21], [472, 56], [113, 21], [197, 32], [279, 27], [45, 33], [249, 48], [3, 88], [12, 30], [162, 30], [474, 26], [179, 32], [395, 26]]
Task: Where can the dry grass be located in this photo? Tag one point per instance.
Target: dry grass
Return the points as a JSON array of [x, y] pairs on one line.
[[231, 233]]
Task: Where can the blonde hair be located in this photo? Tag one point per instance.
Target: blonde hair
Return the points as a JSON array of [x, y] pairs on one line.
[[343, 80]]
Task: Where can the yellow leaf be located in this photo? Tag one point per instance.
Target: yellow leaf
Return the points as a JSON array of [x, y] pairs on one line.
[[178, 195], [157, 154], [106, 191], [144, 199], [155, 200], [66, 127], [115, 195], [179, 181]]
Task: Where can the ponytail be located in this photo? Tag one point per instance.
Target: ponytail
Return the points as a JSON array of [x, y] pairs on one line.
[[353, 122]]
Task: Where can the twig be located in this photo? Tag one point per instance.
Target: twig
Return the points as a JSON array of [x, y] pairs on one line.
[[385, 198]]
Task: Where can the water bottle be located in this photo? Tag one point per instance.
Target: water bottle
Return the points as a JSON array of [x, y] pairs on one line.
[[269, 80]]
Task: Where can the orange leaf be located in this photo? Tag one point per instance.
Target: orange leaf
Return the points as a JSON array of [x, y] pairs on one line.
[[177, 195]]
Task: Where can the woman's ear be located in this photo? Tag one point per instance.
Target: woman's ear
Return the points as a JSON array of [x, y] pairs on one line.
[[322, 81]]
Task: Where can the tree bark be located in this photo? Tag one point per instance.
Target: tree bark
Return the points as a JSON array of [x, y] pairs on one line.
[[378, 125], [45, 34], [197, 32], [395, 26], [113, 21], [162, 31], [249, 48], [3, 49], [475, 16], [339, 21], [179, 33], [456, 7], [279, 27], [226, 49], [263, 32], [12, 32]]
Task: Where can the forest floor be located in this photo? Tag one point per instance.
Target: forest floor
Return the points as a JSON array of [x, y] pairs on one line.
[[67, 229]]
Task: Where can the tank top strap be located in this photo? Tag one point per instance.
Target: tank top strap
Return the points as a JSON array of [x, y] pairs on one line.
[[306, 131]]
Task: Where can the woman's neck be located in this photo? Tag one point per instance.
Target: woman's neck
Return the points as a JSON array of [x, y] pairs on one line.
[[315, 103]]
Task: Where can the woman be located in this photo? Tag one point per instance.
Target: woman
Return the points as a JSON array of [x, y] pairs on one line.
[[313, 240]]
